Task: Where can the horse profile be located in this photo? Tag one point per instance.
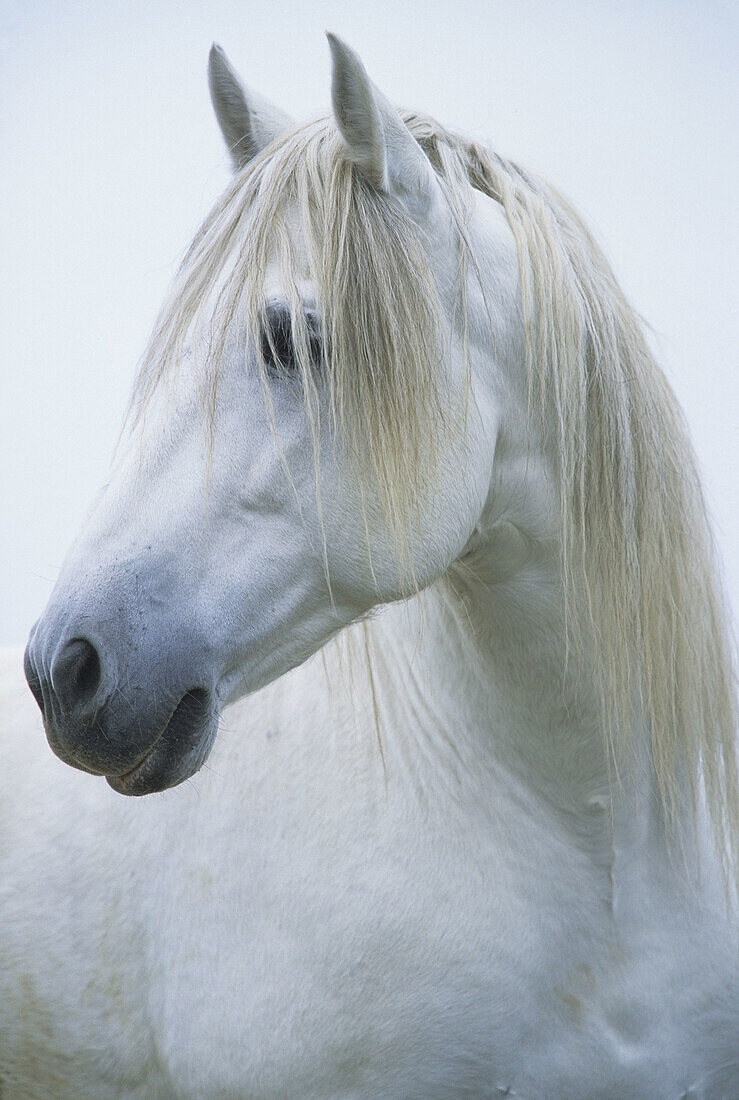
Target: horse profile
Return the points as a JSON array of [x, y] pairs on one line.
[[403, 564]]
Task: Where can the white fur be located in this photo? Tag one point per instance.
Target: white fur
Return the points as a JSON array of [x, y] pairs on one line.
[[248, 121], [406, 869]]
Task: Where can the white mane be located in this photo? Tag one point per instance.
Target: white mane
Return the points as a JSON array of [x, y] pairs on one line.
[[637, 556]]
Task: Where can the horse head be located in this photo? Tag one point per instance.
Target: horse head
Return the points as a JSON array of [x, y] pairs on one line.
[[311, 435]]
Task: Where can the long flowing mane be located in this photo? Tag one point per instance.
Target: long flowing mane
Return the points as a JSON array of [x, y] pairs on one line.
[[637, 555]]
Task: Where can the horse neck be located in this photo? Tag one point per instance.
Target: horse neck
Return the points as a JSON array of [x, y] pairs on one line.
[[475, 708], [485, 677]]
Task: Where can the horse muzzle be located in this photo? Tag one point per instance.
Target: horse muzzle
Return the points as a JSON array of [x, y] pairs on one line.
[[135, 703]]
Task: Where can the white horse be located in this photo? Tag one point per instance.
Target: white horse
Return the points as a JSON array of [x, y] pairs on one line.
[[476, 846]]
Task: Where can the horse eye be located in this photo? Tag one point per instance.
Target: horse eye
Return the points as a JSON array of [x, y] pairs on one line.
[[278, 350], [277, 345]]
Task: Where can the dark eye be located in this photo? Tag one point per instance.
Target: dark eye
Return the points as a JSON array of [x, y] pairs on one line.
[[278, 351]]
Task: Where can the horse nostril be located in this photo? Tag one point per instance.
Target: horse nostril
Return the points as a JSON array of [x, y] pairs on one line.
[[76, 673]]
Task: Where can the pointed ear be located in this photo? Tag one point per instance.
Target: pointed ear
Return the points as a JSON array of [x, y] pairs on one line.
[[379, 142], [248, 122]]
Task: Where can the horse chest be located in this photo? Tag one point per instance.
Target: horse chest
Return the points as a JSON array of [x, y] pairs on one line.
[[376, 967], [328, 977]]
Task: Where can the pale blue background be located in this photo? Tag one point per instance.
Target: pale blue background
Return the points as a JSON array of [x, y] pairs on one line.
[[110, 157]]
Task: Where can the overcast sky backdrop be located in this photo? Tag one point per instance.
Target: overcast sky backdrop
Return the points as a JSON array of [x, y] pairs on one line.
[[110, 157]]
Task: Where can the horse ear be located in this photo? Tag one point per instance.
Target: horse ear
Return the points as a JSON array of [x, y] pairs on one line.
[[248, 122], [379, 142]]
